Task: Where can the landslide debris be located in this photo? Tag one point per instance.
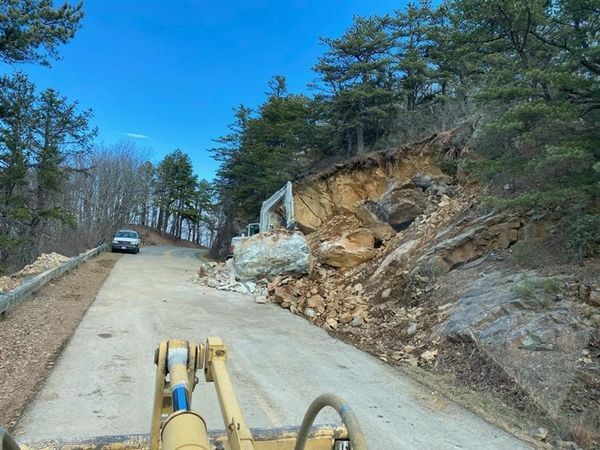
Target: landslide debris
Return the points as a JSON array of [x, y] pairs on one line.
[[222, 276], [409, 266], [43, 262]]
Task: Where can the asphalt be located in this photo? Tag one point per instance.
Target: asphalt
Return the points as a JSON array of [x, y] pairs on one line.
[[103, 382]]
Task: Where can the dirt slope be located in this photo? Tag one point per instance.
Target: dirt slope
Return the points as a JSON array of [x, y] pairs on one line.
[[150, 236]]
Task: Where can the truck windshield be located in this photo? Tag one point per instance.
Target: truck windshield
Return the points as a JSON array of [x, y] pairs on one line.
[[127, 234]]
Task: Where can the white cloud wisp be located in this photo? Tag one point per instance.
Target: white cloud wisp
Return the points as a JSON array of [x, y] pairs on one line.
[[137, 136]]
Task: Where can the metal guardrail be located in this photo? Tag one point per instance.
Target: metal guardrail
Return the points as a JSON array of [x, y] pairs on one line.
[[31, 285]]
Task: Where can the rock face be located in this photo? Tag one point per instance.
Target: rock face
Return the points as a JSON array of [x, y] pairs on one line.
[[461, 243], [350, 250], [346, 191], [516, 320], [267, 255]]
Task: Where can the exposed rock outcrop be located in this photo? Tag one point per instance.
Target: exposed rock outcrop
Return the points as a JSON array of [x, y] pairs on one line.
[[516, 319]]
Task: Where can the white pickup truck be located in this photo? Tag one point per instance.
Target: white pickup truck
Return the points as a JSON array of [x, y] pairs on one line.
[[126, 241]]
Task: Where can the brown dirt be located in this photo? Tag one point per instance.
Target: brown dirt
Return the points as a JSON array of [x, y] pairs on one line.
[[33, 333]]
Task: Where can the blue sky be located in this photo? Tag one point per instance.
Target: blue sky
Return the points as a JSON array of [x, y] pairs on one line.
[[172, 70]]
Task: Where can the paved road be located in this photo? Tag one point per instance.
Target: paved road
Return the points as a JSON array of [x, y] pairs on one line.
[[279, 362]]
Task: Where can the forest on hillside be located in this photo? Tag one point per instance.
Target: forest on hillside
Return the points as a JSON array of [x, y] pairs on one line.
[[525, 75]]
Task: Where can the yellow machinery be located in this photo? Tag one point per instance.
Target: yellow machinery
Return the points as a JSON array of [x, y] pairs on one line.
[[175, 426]]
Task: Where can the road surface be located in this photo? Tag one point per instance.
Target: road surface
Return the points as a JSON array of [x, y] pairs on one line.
[[103, 383]]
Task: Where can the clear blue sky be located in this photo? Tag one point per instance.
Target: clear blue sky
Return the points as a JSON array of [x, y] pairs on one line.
[[172, 70]]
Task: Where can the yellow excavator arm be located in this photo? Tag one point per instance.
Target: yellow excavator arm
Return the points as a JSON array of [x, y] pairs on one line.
[[176, 426]]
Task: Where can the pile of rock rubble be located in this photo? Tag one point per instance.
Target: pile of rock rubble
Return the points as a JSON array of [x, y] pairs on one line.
[[325, 299], [43, 262], [222, 276]]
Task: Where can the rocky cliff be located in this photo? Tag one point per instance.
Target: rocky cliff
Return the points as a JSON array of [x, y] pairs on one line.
[[410, 267]]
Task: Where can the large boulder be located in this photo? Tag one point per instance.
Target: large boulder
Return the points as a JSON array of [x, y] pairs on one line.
[[367, 214], [273, 253], [349, 250], [399, 207]]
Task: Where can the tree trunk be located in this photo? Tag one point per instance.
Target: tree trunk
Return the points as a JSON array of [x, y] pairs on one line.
[[360, 139], [220, 245], [160, 219], [144, 213], [349, 144]]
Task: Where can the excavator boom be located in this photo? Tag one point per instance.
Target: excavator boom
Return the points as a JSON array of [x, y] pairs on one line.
[[176, 426]]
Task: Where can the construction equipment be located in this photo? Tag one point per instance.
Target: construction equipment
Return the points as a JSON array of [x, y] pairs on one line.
[[270, 213], [175, 426], [286, 198]]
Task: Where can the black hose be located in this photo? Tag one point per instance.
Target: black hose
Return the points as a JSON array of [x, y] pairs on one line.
[[6, 441], [357, 438]]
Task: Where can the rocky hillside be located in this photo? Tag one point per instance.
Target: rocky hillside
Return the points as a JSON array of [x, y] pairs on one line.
[[408, 265]]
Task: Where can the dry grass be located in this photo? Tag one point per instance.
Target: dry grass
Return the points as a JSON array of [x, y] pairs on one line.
[[488, 408], [584, 434]]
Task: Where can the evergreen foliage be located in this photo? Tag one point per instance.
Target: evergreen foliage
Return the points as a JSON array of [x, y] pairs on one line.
[[263, 151], [31, 30], [540, 65], [41, 136], [175, 191], [527, 72]]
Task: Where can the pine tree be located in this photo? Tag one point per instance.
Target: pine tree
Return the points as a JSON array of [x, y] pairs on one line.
[[175, 190], [31, 30], [357, 76], [264, 151], [17, 123], [62, 134], [413, 31]]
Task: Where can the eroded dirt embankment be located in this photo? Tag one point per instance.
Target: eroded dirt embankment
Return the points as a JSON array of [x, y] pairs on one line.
[[409, 266], [151, 237], [412, 268], [34, 332]]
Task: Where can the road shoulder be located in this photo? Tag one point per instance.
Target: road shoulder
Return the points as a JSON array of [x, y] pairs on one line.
[[34, 333]]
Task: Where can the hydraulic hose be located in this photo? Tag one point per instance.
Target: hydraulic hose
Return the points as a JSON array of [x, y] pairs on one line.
[[6, 441], [357, 438]]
